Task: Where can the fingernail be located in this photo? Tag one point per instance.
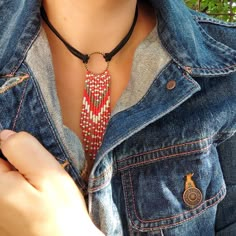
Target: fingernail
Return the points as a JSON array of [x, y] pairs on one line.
[[5, 134]]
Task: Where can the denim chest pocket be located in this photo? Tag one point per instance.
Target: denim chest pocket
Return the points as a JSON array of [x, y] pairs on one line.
[[168, 186]]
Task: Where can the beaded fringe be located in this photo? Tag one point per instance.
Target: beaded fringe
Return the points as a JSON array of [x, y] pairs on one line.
[[96, 111]]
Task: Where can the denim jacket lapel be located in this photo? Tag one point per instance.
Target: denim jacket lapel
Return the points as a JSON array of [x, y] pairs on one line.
[[189, 44], [159, 101]]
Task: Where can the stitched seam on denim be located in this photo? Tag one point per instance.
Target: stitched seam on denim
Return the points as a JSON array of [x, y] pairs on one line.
[[128, 135], [169, 147], [7, 75], [176, 60], [125, 194], [150, 121], [201, 212], [213, 41], [75, 175], [190, 218], [25, 51], [167, 218], [216, 69], [229, 25], [165, 157], [214, 21], [146, 94], [22, 79], [170, 52], [15, 120], [185, 75], [215, 44], [20, 105], [103, 173], [41, 99], [95, 189]]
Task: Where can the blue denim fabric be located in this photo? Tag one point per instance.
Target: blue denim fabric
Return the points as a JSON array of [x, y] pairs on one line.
[[137, 184]]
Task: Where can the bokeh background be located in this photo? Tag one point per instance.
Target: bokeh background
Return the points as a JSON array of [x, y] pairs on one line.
[[221, 9]]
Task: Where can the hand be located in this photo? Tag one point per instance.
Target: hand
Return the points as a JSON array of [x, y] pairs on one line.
[[37, 196]]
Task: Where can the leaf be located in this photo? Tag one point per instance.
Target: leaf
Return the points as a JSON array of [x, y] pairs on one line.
[[221, 9]]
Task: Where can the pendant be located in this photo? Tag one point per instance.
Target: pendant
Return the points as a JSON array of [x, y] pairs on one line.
[[96, 111], [192, 196]]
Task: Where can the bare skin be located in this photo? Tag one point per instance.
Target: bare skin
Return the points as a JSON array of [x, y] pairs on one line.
[[37, 196], [107, 22]]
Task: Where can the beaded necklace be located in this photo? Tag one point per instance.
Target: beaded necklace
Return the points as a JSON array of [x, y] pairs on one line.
[[96, 107]]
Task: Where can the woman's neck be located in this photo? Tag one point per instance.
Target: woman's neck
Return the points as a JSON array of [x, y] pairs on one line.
[[91, 25]]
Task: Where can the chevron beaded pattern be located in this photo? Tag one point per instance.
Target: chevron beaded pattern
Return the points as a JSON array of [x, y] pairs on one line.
[[96, 111]]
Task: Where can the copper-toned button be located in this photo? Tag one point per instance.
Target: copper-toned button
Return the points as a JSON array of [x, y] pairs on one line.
[[171, 84], [192, 197]]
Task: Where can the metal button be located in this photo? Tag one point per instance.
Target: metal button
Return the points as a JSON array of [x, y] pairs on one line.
[[192, 195], [171, 84]]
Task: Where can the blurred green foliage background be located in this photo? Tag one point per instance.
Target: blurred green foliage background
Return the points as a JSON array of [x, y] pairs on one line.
[[221, 9]]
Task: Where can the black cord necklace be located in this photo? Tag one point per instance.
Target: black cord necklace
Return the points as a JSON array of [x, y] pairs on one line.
[[85, 57], [96, 108]]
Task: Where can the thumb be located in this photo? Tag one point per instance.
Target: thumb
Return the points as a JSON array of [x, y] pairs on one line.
[[29, 157]]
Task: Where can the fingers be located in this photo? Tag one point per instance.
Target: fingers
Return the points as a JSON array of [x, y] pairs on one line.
[[29, 157], [5, 166]]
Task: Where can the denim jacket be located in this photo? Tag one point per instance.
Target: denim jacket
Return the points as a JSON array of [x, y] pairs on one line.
[[167, 164]]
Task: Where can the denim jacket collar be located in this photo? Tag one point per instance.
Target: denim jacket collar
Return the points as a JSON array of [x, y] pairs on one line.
[[188, 44], [19, 27], [181, 35], [158, 102]]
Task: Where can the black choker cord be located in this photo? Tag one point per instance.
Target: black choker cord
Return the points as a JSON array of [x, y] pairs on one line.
[[85, 57]]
